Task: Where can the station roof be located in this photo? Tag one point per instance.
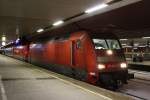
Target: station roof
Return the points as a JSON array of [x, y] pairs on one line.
[[26, 16]]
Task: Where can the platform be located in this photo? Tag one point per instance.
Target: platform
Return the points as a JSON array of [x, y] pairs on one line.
[[23, 81], [146, 63], [143, 75], [142, 66]]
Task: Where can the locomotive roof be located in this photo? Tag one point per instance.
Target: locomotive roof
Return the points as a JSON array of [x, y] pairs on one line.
[[47, 35], [104, 35]]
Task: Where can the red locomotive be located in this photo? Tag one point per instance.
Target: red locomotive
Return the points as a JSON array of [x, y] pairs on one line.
[[97, 59]]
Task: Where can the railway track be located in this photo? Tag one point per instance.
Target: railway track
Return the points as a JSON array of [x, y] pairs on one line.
[[130, 87], [139, 87], [133, 96], [141, 81]]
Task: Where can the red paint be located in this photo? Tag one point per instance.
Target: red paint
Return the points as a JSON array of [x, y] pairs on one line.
[[67, 52], [21, 52]]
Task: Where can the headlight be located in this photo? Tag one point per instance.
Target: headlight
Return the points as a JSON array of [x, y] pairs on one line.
[[101, 66], [109, 52], [92, 73], [123, 65]]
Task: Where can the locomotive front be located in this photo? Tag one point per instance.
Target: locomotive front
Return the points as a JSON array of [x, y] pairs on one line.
[[111, 63]]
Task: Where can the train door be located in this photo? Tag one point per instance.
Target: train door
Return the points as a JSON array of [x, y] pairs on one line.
[[76, 53], [78, 61], [73, 53]]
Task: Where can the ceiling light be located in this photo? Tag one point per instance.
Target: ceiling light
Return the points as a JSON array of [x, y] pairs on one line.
[[123, 39], [146, 37], [142, 46], [3, 43], [128, 46], [3, 38], [58, 23], [136, 44], [123, 44], [40, 30], [98, 7]]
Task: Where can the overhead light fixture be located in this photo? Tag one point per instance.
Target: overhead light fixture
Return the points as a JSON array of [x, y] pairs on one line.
[[98, 7], [3, 43], [124, 44], [3, 38], [127, 46], [58, 23], [146, 37], [123, 39], [136, 44], [142, 46], [40, 30]]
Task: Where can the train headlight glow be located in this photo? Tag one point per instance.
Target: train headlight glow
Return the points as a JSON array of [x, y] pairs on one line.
[[101, 66], [123, 65], [109, 52]]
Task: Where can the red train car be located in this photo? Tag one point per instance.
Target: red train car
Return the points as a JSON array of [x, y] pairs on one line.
[[17, 49], [97, 59], [21, 52]]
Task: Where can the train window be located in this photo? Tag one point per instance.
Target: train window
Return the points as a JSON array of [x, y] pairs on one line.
[[113, 44], [78, 44], [100, 44]]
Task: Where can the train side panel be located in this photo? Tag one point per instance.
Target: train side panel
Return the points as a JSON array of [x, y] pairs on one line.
[[91, 62], [50, 52], [21, 52], [86, 58], [36, 53], [62, 52], [66, 56], [8, 51], [59, 57]]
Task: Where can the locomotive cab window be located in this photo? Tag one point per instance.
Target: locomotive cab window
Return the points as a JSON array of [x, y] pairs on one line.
[[106, 44], [100, 44], [113, 44]]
